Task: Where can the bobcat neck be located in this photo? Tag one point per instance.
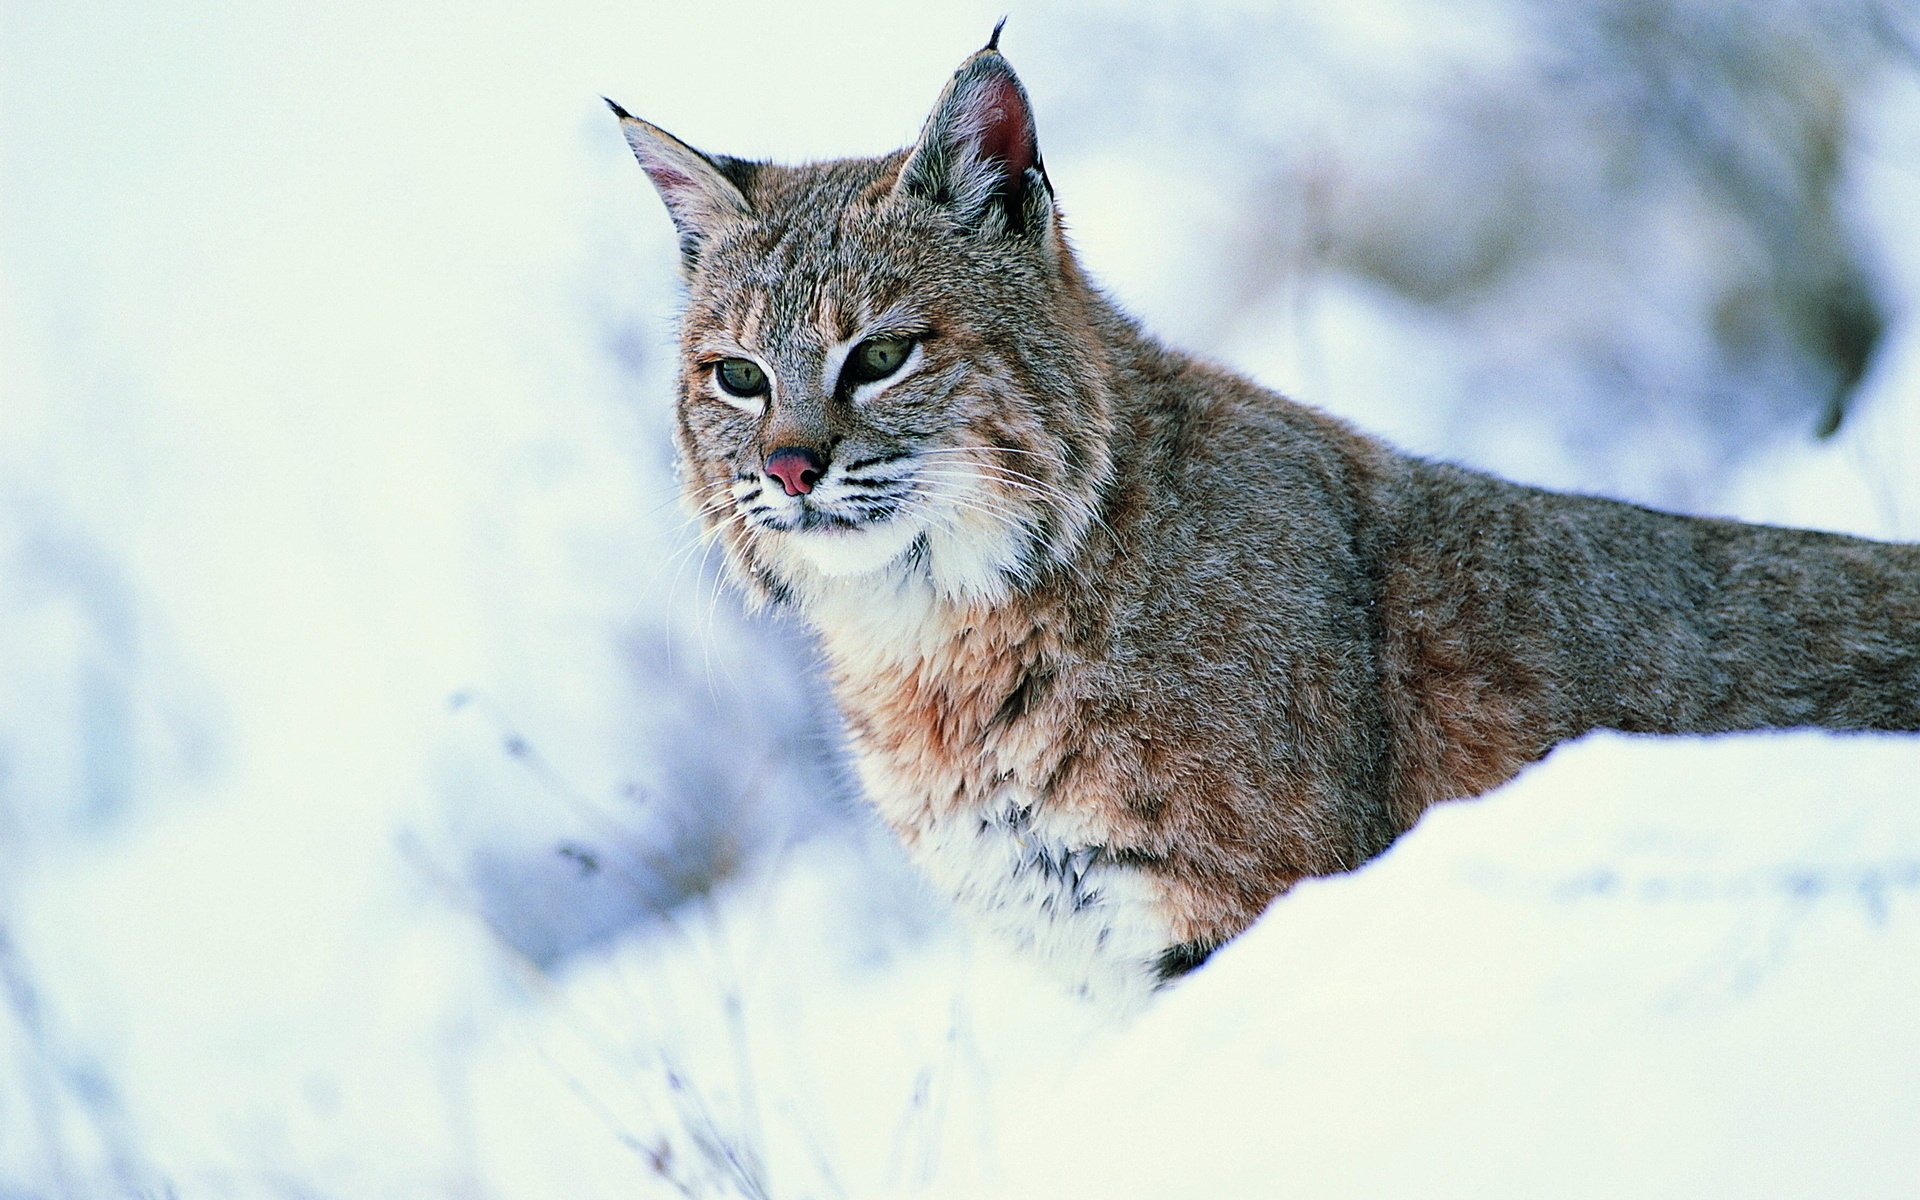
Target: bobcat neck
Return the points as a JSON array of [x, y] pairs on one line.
[[1143, 771]]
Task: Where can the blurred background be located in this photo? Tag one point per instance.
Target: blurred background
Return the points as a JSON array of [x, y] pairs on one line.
[[395, 802]]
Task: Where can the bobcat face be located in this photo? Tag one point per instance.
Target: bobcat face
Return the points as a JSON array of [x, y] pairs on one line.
[[876, 425], [881, 373]]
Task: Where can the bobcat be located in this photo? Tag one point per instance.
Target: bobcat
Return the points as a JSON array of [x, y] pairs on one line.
[[1127, 645]]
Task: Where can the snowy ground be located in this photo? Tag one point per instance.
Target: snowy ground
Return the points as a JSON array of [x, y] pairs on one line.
[[391, 804]]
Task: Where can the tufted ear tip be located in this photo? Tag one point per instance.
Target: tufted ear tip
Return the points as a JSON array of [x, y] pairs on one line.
[[700, 192], [993, 43], [978, 154]]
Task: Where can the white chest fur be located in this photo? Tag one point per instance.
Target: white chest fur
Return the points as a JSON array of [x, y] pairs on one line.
[[1053, 891], [1029, 872]]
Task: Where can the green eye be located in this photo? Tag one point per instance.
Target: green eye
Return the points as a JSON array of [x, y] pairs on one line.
[[877, 358], [739, 377]]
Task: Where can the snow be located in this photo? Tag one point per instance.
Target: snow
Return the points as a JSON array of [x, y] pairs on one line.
[[393, 802], [1602, 981]]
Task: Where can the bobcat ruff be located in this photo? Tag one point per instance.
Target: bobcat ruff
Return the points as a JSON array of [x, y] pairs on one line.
[[1126, 644]]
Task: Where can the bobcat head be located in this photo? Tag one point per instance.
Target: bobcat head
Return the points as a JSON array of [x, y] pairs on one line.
[[888, 364]]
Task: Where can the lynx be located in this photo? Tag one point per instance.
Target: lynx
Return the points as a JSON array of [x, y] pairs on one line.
[[1127, 645]]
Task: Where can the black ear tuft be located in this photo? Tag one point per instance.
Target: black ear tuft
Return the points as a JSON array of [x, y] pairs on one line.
[[979, 156], [993, 43]]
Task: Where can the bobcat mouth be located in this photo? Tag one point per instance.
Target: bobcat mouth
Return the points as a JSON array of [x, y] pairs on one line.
[[834, 505], [814, 520], [812, 516], [835, 533]]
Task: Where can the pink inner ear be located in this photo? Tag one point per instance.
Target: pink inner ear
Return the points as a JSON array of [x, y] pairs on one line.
[[1005, 134], [666, 178]]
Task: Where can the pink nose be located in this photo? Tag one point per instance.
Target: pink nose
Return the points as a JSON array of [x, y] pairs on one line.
[[797, 468]]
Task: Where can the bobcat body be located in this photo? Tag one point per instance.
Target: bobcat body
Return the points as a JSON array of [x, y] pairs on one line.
[[1127, 645]]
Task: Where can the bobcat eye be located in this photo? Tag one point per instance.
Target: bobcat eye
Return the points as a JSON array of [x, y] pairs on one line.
[[738, 377], [876, 358]]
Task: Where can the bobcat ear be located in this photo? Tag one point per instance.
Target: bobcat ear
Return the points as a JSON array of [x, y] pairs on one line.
[[978, 155], [700, 191]]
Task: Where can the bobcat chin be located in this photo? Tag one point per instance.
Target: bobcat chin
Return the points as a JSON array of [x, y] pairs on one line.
[[1126, 644]]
